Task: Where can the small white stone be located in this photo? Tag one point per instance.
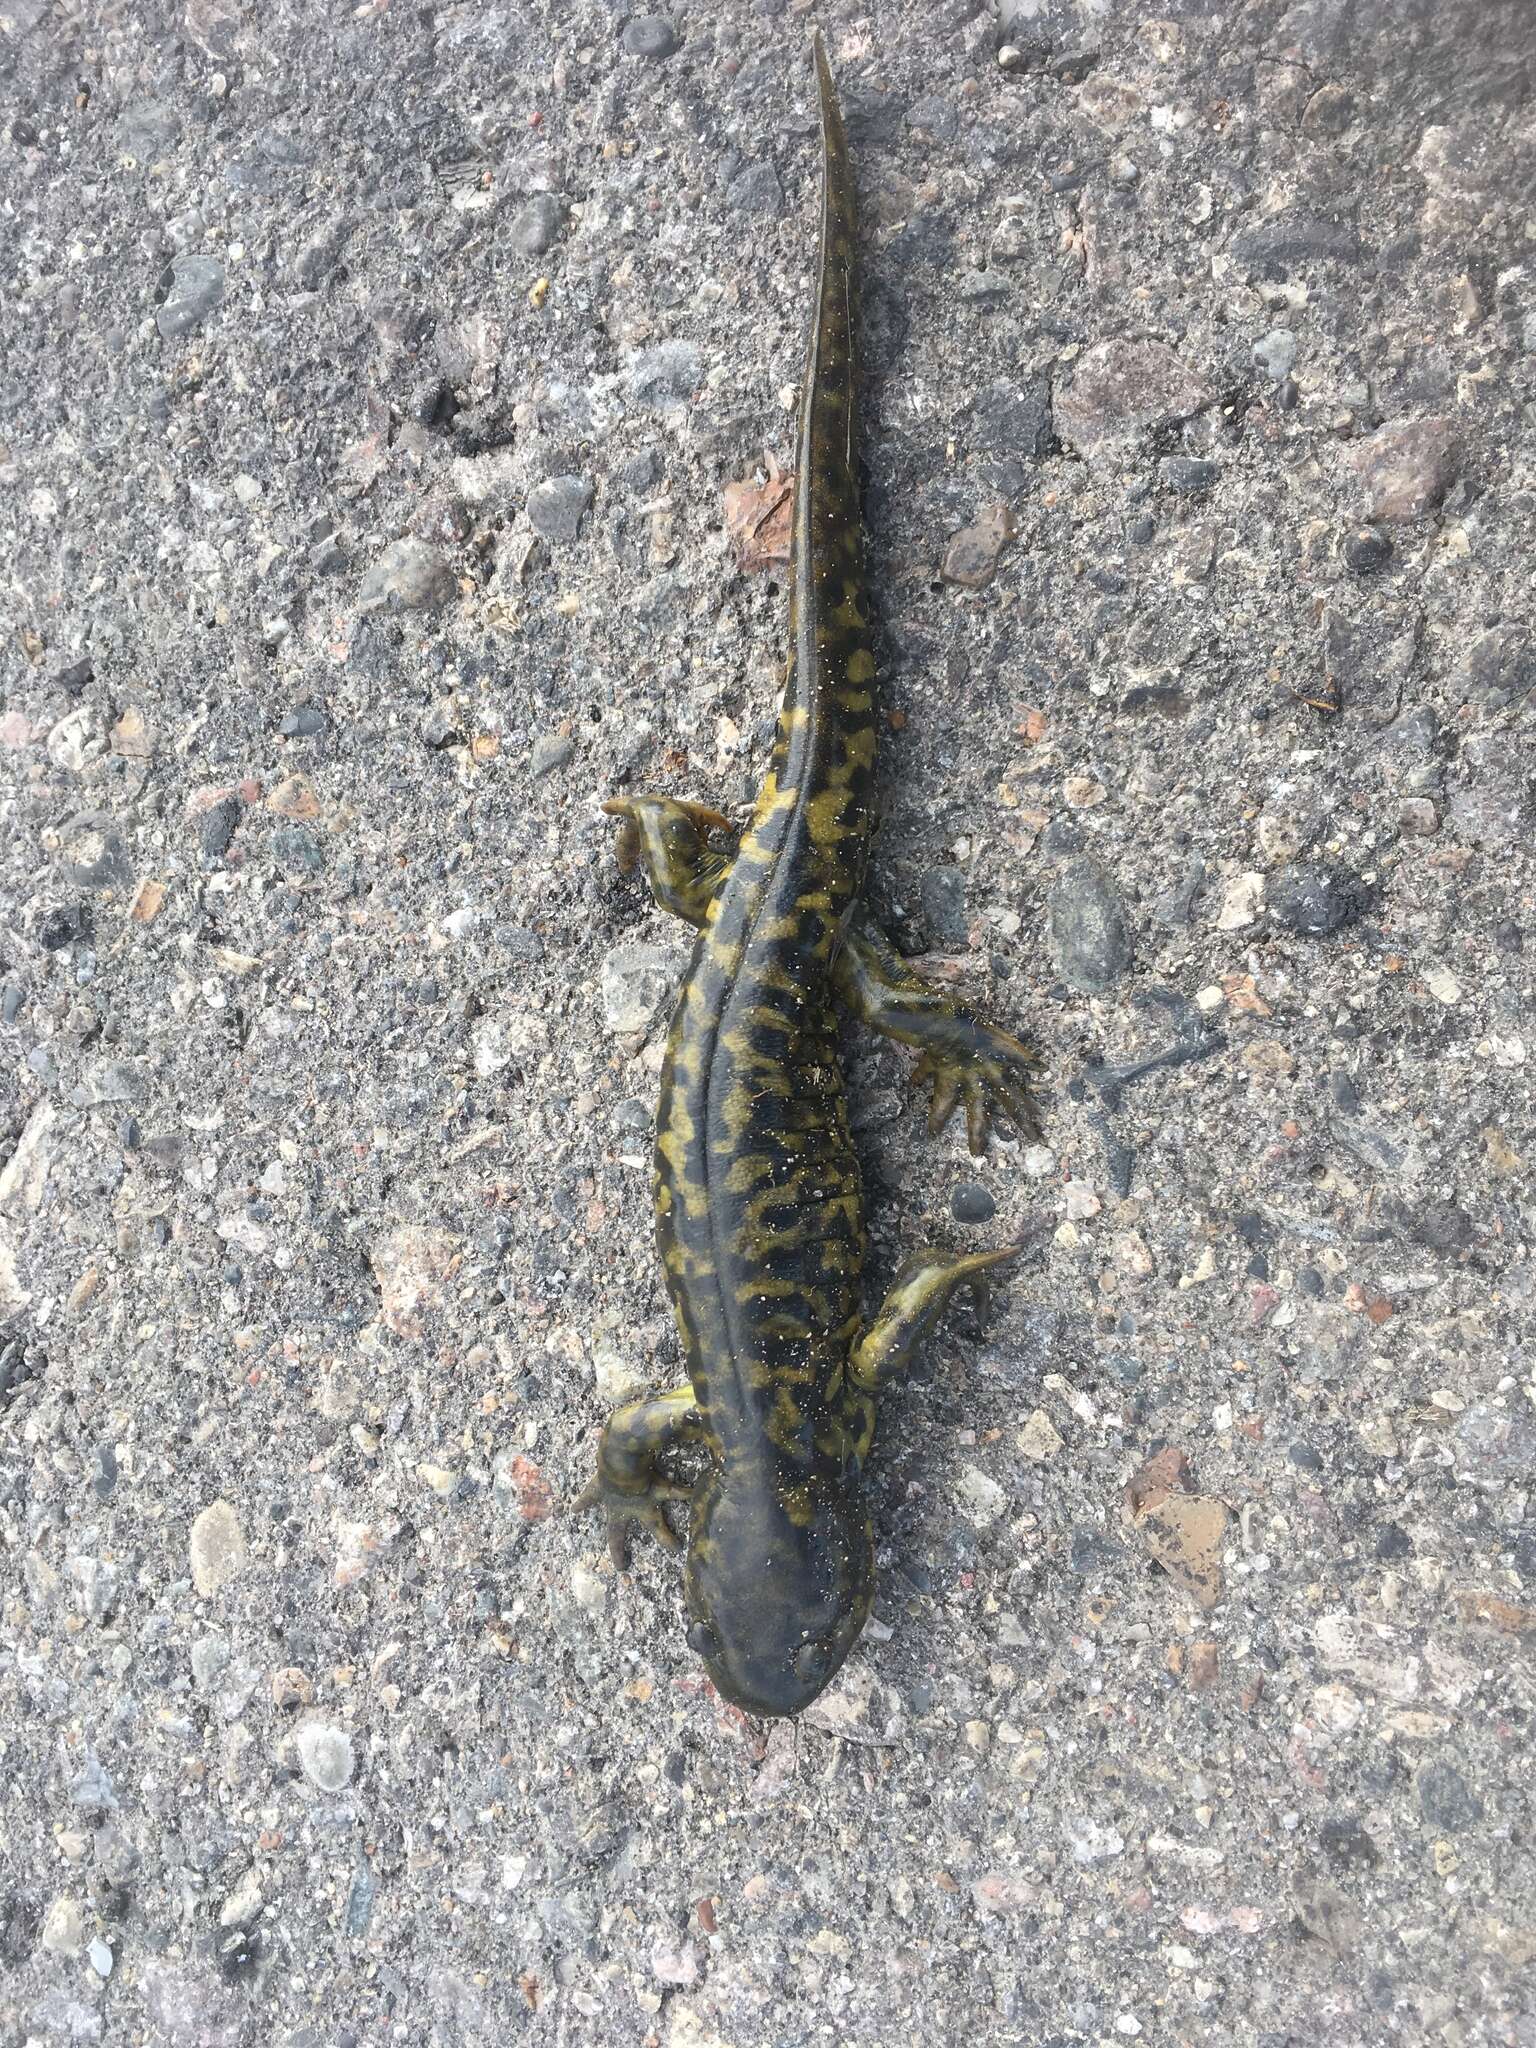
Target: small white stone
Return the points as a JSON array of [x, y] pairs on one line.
[[614, 1376], [64, 1928], [1443, 985], [1240, 906], [326, 1755], [1040, 1439], [101, 1957], [243, 1903], [217, 1548], [591, 1592], [1092, 1841], [981, 1499]]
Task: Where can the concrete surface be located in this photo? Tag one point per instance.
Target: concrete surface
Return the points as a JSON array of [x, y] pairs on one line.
[[371, 378]]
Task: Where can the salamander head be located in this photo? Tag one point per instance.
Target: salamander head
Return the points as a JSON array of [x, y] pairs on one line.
[[779, 1586]]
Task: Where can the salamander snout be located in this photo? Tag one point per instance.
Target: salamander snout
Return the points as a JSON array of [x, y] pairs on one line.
[[779, 1589]]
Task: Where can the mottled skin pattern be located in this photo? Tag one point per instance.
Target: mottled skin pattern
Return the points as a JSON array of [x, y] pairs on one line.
[[758, 1211]]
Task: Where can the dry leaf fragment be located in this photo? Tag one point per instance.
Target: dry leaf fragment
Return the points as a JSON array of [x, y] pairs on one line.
[[147, 899], [1184, 1535], [758, 515]]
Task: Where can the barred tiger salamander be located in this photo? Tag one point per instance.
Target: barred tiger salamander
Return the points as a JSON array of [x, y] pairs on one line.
[[756, 1185]]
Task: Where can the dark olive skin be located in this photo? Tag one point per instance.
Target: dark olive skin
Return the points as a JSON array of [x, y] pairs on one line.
[[759, 1217]]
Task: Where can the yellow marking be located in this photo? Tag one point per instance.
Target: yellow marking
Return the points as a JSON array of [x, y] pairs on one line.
[[824, 815], [671, 1148]]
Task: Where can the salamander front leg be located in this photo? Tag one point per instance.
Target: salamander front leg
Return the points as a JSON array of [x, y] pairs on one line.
[[670, 841], [964, 1059], [917, 1299], [628, 1483]]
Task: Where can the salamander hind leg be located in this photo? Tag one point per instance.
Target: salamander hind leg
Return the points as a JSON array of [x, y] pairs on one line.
[[670, 842], [964, 1060], [918, 1297], [628, 1483]]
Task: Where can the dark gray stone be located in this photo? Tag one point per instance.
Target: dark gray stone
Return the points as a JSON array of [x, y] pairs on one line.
[[218, 828], [1008, 420], [756, 190], [1089, 933], [1188, 474], [194, 289], [536, 225], [557, 507], [1277, 247], [971, 1203], [1446, 1800], [650, 35], [942, 894], [1315, 901]]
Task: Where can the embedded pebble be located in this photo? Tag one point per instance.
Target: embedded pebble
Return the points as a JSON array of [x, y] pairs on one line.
[[666, 375], [1090, 936], [1407, 467], [942, 893], [638, 983], [1188, 474], [650, 35], [411, 574], [1275, 353], [1111, 398], [756, 190], [971, 1203], [557, 507], [1292, 242], [537, 223], [1366, 551], [981, 1498], [196, 288], [64, 1928], [216, 1548], [1040, 1439], [1446, 1800], [971, 558], [325, 1752], [550, 751], [1315, 901]]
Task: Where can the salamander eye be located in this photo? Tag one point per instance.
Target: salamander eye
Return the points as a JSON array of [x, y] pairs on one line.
[[810, 1661], [702, 1640]]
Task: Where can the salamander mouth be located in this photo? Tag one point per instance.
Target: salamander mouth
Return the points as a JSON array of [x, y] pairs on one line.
[[771, 1686]]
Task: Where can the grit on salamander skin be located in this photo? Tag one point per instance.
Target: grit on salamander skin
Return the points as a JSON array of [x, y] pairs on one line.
[[758, 1212]]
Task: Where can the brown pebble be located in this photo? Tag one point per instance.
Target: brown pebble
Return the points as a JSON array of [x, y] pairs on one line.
[[294, 797], [147, 899], [1203, 1666], [1407, 467], [291, 1687], [971, 557], [1156, 1479]]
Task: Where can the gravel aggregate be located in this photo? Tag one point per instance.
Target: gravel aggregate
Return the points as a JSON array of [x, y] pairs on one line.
[[371, 380]]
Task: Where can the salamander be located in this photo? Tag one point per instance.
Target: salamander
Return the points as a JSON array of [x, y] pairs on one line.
[[756, 1185]]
